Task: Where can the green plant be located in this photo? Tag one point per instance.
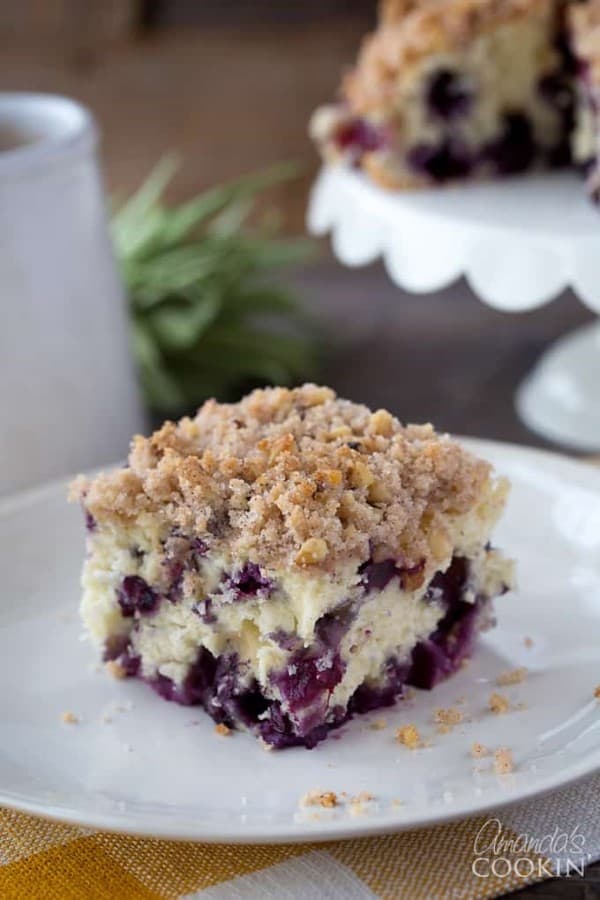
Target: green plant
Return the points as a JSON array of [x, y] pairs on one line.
[[209, 317]]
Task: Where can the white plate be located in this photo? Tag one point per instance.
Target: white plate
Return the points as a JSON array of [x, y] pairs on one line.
[[159, 769]]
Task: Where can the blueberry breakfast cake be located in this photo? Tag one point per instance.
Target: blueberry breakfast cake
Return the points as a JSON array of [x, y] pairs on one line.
[[290, 560], [451, 89]]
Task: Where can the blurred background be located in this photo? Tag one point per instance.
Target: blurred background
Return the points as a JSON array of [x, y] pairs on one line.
[[229, 85]]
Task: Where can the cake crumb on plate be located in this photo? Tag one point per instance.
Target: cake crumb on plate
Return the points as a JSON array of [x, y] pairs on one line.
[[69, 718], [326, 799], [503, 761], [528, 642], [115, 669], [597, 692], [409, 736], [498, 703], [514, 676], [446, 719], [478, 751], [222, 729], [378, 725]]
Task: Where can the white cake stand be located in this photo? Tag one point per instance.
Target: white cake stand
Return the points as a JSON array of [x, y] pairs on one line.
[[519, 243]]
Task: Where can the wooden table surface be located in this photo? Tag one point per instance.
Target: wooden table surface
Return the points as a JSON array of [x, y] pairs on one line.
[[444, 358]]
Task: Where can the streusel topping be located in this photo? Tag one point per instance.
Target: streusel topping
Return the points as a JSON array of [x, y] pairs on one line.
[[294, 478]]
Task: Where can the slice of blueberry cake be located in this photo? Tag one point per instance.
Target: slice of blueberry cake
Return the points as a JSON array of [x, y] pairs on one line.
[[450, 89], [290, 560]]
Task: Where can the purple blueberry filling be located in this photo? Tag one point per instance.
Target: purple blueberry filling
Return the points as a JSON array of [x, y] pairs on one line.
[[90, 522], [442, 162], [136, 595], [302, 717], [514, 150], [358, 137], [377, 575], [203, 609], [250, 583], [448, 95]]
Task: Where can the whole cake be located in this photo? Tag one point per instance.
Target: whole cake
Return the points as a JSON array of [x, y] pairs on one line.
[[454, 89], [290, 560]]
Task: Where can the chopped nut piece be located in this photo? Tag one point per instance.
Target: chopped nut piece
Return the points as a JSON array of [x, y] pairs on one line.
[[378, 492], [360, 475], [222, 729], [69, 718], [503, 761], [498, 703], [312, 551], [115, 669], [409, 736], [326, 799], [515, 676], [381, 422], [478, 751]]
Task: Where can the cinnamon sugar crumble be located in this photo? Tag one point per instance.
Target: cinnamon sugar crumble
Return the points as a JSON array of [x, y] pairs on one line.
[[294, 477], [498, 703], [409, 736], [326, 799], [222, 729], [503, 761], [479, 751], [515, 676]]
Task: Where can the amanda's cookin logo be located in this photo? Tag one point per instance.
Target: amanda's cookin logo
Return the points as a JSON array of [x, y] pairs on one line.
[[500, 855]]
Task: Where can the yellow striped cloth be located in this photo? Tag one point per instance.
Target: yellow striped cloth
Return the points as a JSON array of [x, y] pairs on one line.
[[42, 860]]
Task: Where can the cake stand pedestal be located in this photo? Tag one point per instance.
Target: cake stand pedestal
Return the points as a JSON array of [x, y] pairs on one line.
[[519, 243]]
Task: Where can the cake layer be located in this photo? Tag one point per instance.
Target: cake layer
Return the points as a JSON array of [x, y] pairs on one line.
[[290, 560]]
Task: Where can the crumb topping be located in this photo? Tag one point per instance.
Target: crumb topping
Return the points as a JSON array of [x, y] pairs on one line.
[[479, 751], [326, 799], [498, 703], [413, 29], [514, 676], [503, 761], [222, 729], [296, 477], [409, 736]]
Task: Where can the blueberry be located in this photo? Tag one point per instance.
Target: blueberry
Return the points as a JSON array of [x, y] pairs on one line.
[[359, 135], [136, 595], [441, 162], [377, 576], [514, 150], [448, 94], [250, 582]]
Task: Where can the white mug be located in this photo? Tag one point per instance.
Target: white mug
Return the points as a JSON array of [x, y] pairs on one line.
[[68, 394]]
